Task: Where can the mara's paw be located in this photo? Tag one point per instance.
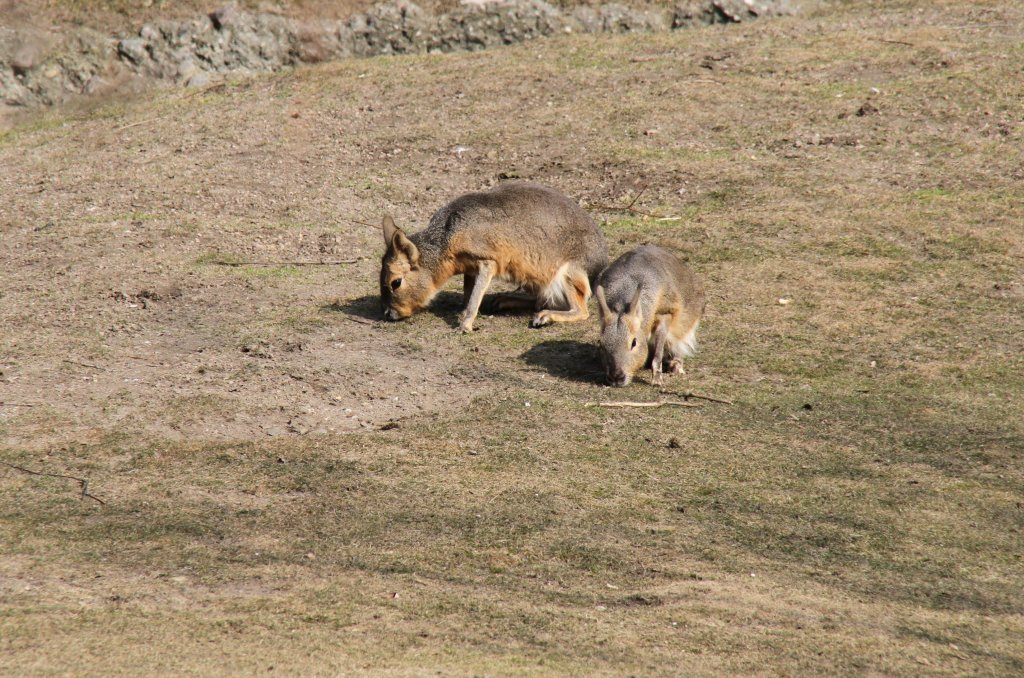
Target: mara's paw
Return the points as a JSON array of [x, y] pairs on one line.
[[465, 328], [657, 378], [541, 319], [675, 366]]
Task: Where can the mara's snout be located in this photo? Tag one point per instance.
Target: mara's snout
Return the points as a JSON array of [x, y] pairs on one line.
[[392, 314], [617, 378]]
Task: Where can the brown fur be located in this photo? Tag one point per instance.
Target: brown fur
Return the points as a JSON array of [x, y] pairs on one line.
[[523, 233]]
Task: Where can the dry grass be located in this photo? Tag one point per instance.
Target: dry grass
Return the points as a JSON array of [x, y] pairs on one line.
[[857, 509]]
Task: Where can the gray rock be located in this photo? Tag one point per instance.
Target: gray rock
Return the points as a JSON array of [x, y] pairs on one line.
[[134, 50], [588, 19], [24, 59], [43, 67], [617, 18], [224, 17], [95, 85], [199, 79], [692, 13], [734, 11], [389, 28]]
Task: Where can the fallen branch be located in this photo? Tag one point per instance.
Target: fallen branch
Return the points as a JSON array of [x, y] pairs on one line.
[[209, 88], [894, 42], [90, 365], [363, 223], [3, 404], [633, 210], [81, 481], [627, 403], [686, 395], [136, 124], [636, 197], [361, 321], [224, 262]]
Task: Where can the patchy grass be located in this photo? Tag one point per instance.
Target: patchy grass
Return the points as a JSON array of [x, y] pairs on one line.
[[358, 497]]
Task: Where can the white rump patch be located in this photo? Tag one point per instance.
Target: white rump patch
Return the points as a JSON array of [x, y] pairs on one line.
[[555, 295], [686, 346]]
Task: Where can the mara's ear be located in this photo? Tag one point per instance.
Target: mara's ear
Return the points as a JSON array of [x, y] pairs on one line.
[[602, 304], [397, 240], [389, 230], [634, 306]]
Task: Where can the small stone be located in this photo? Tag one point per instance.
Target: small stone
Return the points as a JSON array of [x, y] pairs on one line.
[[133, 49], [96, 84], [200, 79], [224, 17], [867, 108], [187, 68], [24, 59]]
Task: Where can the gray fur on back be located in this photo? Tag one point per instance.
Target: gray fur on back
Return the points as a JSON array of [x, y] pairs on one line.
[[531, 215], [652, 270]]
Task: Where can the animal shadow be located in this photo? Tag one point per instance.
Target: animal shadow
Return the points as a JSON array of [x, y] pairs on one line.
[[567, 359], [367, 307], [445, 305]]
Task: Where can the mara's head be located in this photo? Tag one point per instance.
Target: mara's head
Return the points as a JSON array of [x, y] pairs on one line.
[[405, 286], [623, 346]]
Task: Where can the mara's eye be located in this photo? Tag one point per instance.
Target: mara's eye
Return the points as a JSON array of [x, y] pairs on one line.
[[634, 344], [396, 283]]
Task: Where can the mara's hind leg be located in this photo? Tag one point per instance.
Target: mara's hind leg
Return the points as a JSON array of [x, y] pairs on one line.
[[571, 285], [681, 348]]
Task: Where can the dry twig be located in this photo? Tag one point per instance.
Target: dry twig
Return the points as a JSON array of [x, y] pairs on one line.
[[631, 209], [90, 365], [628, 403], [686, 395], [341, 262], [363, 223], [81, 481], [361, 321], [3, 404], [136, 124], [894, 42]]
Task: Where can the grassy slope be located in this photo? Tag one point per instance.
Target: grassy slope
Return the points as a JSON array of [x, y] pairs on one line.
[[858, 507]]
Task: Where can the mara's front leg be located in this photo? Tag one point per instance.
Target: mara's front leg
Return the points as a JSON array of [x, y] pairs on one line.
[[484, 274]]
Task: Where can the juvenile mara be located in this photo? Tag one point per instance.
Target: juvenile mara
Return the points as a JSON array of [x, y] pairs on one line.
[[651, 304], [520, 232]]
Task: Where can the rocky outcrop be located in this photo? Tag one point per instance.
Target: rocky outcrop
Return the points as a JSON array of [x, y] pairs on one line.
[[38, 68]]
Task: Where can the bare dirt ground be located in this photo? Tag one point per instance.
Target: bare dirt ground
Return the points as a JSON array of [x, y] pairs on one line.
[[293, 486]]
